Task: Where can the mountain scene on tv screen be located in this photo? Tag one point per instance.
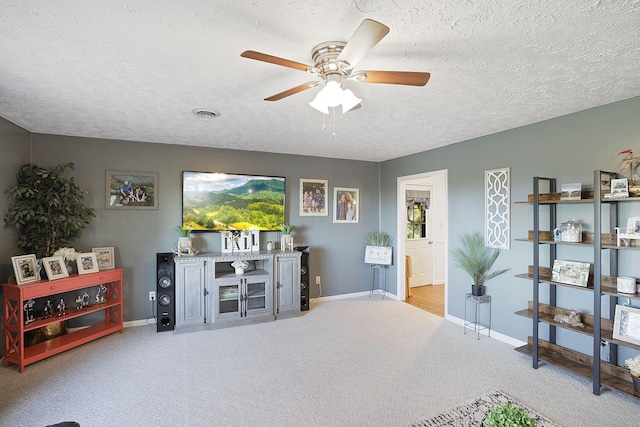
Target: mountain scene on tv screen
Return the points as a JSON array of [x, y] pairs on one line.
[[257, 203]]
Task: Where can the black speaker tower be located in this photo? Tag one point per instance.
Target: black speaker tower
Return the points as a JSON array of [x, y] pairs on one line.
[[165, 292], [304, 278]]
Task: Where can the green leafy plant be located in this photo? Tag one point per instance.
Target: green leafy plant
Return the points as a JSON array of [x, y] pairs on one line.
[[286, 229], [183, 231], [47, 211], [378, 238], [476, 259], [508, 415]]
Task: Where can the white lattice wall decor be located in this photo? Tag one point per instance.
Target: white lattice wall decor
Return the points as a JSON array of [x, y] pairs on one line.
[[497, 208]]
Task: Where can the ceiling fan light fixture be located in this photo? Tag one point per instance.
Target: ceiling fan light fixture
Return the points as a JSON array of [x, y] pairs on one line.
[[349, 101], [319, 103]]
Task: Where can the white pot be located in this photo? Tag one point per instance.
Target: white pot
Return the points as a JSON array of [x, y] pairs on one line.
[[626, 285]]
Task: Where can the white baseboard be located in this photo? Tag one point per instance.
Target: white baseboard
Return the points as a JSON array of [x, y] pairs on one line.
[[143, 322], [354, 295], [497, 335]]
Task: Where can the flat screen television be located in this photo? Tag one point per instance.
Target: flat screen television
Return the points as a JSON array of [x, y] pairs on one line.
[[225, 201]]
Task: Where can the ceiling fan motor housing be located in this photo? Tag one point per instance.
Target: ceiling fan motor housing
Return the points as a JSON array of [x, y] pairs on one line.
[[325, 59]]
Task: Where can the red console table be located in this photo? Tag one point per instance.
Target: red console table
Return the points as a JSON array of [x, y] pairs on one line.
[[14, 317]]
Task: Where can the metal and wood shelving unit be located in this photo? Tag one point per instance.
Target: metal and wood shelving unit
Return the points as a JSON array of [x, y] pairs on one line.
[[600, 372]]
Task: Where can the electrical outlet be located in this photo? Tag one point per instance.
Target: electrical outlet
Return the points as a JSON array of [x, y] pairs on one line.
[[152, 295], [317, 280]]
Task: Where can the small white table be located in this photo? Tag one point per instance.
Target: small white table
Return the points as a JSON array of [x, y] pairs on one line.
[[476, 324]]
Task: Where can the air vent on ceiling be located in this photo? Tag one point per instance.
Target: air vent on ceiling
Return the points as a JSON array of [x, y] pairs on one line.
[[206, 113]]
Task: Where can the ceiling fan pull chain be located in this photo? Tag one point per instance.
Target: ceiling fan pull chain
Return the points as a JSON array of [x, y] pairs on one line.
[[334, 123]]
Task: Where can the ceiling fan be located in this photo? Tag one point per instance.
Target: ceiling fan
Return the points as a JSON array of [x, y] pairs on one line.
[[334, 63]]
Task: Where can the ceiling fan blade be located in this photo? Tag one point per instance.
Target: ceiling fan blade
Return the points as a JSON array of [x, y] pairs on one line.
[[368, 34], [410, 78], [251, 54], [292, 91]]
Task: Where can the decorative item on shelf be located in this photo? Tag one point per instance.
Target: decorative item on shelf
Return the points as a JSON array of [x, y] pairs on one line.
[[625, 236], [626, 324], [239, 266], [101, 295], [269, 245], [508, 415], [633, 364], [571, 191], [255, 239], [571, 272], [48, 308], [29, 312], [79, 303], [557, 235], [619, 189], [62, 308], [627, 168], [626, 285], [87, 263], [25, 268], [105, 257], [572, 319], [185, 244], [244, 242], [86, 300], [378, 249], [571, 231], [226, 241], [69, 255], [55, 267], [476, 260], [286, 241]]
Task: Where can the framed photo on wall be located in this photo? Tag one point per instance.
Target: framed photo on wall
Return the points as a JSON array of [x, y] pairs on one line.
[[346, 205], [131, 190], [105, 257], [25, 269], [313, 197], [626, 324]]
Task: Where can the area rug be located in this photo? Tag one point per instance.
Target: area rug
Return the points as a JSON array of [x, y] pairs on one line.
[[472, 413]]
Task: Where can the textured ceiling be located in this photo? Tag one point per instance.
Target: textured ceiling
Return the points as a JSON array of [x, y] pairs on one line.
[[135, 70]]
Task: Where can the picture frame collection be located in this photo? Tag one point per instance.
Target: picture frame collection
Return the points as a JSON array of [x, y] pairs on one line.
[[27, 269], [315, 201]]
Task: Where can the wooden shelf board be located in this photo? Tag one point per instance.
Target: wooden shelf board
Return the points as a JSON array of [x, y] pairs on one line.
[[547, 279], [581, 365], [547, 318], [71, 314], [65, 342]]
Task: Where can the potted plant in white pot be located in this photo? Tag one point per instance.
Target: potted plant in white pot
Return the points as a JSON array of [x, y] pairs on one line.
[[378, 249], [633, 363], [476, 260], [185, 245], [286, 239]]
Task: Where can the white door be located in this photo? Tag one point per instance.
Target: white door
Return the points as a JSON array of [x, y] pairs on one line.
[[419, 239]]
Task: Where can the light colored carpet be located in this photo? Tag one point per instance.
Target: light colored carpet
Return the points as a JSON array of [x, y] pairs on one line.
[[352, 362], [473, 413]]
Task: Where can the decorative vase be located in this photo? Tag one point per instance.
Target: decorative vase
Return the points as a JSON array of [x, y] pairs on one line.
[[478, 290], [239, 266], [70, 267], [635, 377]]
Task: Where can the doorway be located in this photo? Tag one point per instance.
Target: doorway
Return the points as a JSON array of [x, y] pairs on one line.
[[423, 238]]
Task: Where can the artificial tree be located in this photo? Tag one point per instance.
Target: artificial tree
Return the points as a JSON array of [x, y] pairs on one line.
[[47, 211]]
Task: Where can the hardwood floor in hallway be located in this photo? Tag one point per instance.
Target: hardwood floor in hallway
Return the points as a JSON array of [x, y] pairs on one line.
[[429, 298]]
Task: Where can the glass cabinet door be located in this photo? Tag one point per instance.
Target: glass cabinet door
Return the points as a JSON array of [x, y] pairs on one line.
[[256, 296], [228, 298]]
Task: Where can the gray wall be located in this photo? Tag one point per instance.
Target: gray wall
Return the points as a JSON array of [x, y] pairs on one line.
[[14, 146], [568, 148], [337, 250]]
